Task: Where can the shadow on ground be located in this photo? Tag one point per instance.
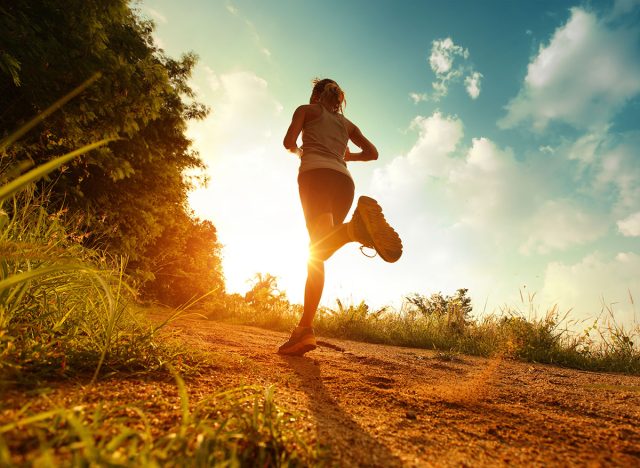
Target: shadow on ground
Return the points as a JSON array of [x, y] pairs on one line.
[[333, 422]]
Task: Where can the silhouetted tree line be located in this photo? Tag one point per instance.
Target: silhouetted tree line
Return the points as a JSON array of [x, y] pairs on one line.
[[130, 196]]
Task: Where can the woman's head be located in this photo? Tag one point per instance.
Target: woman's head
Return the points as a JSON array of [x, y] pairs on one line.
[[328, 92]]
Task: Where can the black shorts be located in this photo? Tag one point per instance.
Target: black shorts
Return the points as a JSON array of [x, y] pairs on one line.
[[325, 191]]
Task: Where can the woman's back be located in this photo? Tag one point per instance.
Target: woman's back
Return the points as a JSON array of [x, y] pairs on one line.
[[326, 134]]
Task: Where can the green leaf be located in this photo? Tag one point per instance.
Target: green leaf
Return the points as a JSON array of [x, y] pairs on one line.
[[21, 182]]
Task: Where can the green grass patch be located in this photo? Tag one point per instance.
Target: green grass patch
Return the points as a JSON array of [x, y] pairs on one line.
[[238, 427], [447, 324], [65, 309]]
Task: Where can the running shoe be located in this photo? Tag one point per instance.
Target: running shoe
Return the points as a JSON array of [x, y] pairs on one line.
[[302, 340], [369, 227]]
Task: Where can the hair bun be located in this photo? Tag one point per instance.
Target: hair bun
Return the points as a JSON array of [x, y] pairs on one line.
[[330, 92], [332, 87]]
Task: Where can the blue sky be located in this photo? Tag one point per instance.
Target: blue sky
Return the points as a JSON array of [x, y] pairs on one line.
[[508, 135]]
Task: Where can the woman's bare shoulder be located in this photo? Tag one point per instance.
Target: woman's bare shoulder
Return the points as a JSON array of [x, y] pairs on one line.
[[349, 124], [311, 111]]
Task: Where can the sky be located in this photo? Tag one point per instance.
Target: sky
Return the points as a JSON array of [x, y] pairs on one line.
[[508, 135]]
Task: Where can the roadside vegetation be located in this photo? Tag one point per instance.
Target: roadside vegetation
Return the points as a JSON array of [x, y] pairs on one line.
[[67, 310], [447, 323]]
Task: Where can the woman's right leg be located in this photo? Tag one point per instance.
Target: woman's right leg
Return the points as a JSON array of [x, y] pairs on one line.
[[302, 338], [325, 240]]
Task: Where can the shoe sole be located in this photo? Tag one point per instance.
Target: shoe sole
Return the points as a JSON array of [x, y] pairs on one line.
[[386, 240], [300, 348]]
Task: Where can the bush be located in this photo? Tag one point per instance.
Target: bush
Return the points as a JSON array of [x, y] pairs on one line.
[[445, 323]]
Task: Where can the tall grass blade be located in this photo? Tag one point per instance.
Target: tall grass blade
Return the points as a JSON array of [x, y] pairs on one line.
[[90, 450], [184, 400], [4, 144], [19, 183], [33, 274], [29, 420]]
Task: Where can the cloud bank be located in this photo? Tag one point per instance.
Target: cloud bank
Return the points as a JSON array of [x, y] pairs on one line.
[[586, 73]]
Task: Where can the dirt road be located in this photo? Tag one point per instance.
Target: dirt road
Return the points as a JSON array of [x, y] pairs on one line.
[[372, 405], [378, 405]]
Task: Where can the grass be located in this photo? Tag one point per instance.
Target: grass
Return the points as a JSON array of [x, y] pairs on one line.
[[60, 303], [447, 324], [64, 308], [238, 427]]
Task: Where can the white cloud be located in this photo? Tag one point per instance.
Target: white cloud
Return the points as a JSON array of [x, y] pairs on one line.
[[630, 226], [444, 60], [612, 168], [500, 215], [442, 55], [458, 207], [418, 97], [623, 7], [593, 282], [560, 224], [244, 106], [212, 79], [252, 29], [586, 73], [438, 137], [472, 84], [587, 148]]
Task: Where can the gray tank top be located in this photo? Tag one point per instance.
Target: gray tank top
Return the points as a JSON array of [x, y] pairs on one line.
[[324, 142]]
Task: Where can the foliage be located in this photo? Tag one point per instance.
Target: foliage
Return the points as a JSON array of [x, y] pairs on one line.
[[265, 292], [445, 323], [64, 308], [456, 309], [130, 196], [185, 262]]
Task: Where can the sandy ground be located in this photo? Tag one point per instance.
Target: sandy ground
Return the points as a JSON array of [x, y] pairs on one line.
[[373, 405]]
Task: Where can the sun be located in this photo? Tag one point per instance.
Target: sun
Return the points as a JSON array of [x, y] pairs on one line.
[[270, 240]]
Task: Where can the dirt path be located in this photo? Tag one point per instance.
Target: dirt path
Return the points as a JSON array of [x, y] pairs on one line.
[[388, 406], [372, 405]]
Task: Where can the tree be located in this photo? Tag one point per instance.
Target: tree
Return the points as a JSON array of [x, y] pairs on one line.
[[455, 309], [186, 263], [265, 293], [131, 194]]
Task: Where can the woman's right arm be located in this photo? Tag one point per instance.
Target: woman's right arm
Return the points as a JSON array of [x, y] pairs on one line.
[[369, 151], [290, 141]]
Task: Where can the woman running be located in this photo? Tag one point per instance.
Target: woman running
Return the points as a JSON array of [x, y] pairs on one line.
[[326, 193]]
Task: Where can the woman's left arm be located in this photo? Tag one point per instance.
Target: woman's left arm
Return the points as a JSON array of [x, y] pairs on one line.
[[290, 141], [369, 151]]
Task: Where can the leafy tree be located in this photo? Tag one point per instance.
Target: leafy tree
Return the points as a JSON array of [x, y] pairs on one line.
[[264, 292], [455, 309], [186, 263], [131, 194]]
